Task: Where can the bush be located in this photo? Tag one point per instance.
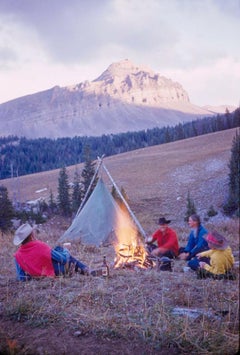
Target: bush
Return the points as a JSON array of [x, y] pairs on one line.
[[211, 212], [191, 209]]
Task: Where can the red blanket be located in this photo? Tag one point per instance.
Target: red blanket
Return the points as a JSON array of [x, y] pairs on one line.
[[35, 258]]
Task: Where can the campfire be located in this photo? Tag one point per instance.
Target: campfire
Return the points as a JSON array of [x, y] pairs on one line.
[[129, 249], [131, 257]]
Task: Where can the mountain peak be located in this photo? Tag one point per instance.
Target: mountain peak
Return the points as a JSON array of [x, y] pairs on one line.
[[122, 69], [138, 85], [125, 97]]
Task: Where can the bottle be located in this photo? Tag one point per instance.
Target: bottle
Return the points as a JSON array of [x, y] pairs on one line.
[[105, 267]]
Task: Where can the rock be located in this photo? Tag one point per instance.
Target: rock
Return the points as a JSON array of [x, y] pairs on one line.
[[125, 97]]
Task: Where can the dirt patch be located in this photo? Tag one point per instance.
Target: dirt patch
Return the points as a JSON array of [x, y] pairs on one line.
[[59, 339]]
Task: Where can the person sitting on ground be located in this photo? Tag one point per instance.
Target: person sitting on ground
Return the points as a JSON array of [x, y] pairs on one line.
[[220, 259], [196, 242], [35, 258], [167, 241]]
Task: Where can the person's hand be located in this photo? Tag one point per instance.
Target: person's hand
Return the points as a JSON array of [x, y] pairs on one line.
[[183, 256], [202, 264], [149, 240], [155, 252]]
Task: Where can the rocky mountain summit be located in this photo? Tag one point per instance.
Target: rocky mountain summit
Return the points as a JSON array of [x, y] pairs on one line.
[[125, 97]]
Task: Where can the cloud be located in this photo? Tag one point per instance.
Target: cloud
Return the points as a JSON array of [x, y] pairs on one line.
[[68, 31], [72, 31], [62, 37], [211, 81]]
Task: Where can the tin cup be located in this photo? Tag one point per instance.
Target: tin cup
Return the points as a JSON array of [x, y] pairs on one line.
[[67, 246]]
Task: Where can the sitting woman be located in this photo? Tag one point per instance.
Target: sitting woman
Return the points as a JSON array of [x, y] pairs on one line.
[[220, 258], [196, 243]]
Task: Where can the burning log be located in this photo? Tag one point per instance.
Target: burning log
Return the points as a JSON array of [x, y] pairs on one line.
[[130, 257], [129, 247]]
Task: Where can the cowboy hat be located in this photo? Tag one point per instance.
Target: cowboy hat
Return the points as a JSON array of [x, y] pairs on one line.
[[216, 241], [163, 220], [22, 233]]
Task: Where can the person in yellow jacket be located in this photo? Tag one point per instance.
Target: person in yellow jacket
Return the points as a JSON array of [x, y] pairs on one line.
[[220, 259]]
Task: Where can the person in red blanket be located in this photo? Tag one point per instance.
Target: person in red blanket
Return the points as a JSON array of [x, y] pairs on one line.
[[167, 243], [35, 258]]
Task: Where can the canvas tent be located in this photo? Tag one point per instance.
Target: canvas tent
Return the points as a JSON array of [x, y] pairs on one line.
[[101, 220]]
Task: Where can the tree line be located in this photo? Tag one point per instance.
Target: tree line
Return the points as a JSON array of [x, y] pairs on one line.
[[66, 203], [69, 198], [22, 156]]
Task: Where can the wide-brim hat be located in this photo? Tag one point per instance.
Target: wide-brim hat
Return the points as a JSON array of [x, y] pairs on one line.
[[216, 241], [22, 233], [163, 220]]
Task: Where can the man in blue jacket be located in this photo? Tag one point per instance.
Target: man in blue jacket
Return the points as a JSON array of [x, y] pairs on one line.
[[196, 242]]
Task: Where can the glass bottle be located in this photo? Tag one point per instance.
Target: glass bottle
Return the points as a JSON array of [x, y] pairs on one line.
[[105, 267]]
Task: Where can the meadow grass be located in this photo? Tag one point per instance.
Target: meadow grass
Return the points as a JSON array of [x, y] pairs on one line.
[[132, 305]]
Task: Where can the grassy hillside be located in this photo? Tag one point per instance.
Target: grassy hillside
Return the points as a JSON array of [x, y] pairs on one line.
[[156, 179]]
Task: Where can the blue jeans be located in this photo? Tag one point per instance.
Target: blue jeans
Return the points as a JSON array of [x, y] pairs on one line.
[[64, 260], [194, 262]]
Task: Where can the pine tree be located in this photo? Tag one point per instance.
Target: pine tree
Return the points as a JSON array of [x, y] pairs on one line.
[[51, 203], [211, 211], [191, 209], [233, 205], [77, 193], [236, 117], [63, 192], [88, 172], [6, 210]]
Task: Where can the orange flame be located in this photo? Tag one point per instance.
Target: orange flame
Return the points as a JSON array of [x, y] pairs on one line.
[[129, 248]]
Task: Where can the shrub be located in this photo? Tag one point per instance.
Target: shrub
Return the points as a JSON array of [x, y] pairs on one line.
[[211, 212]]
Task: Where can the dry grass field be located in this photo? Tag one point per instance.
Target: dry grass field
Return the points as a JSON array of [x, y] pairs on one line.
[[134, 310]]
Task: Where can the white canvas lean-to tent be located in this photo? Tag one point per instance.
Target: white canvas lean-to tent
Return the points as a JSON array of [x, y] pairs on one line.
[[101, 220]]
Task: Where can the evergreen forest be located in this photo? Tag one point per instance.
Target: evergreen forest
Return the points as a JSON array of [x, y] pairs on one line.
[[22, 156]]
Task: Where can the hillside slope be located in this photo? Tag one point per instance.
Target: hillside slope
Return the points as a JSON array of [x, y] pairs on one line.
[[156, 179]]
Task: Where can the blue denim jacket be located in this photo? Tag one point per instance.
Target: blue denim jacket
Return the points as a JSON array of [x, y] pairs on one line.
[[196, 244]]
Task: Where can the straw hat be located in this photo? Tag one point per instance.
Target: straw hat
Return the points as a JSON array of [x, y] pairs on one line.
[[22, 233]]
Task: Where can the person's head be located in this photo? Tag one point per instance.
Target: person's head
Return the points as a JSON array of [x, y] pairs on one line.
[[216, 241], [163, 223], [23, 234], [194, 221]]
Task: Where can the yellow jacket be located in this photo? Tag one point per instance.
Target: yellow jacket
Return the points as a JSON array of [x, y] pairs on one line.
[[220, 260]]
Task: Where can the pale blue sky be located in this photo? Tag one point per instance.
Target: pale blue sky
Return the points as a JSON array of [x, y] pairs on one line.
[[64, 42]]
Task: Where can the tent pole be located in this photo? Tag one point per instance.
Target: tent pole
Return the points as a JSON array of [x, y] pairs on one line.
[[100, 160], [125, 202]]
